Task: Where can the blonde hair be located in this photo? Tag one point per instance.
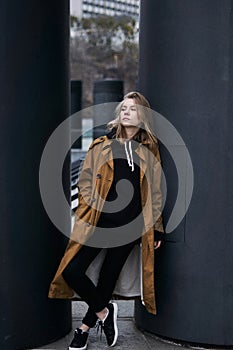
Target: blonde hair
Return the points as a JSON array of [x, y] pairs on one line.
[[146, 132]]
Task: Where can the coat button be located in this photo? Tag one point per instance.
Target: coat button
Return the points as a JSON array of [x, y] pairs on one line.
[[88, 224], [98, 176]]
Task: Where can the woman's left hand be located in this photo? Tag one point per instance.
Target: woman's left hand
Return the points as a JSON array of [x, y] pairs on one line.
[[157, 244]]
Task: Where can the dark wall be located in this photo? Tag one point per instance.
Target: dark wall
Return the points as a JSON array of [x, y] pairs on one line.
[[34, 101], [186, 72]]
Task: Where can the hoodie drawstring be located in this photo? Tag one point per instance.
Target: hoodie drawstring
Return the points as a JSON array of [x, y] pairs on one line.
[[129, 155]]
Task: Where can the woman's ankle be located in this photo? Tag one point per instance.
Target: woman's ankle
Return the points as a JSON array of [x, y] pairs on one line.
[[84, 327], [102, 315]]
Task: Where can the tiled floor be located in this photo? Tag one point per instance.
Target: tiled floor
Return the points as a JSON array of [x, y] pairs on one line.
[[130, 338]]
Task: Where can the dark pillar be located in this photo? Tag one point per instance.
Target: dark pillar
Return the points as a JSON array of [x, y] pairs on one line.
[[75, 106], [186, 55], [107, 90], [34, 101]]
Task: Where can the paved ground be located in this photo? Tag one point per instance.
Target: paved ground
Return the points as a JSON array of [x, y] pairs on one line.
[[130, 338]]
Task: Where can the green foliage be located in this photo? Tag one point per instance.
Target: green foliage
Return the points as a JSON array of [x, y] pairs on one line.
[[107, 23], [104, 47]]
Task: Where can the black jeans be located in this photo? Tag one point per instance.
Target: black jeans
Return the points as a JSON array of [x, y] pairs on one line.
[[97, 297]]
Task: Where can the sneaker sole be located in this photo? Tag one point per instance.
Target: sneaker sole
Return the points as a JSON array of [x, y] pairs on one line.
[[115, 309], [70, 348]]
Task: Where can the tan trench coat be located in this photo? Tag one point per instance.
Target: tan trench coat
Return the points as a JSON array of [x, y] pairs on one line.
[[97, 175]]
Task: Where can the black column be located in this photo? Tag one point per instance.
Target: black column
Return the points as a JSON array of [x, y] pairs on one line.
[[186, 72], [75, 106], [106, 90], [34, 101]]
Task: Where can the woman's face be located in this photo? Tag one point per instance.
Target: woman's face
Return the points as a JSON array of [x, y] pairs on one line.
[[129, 114]]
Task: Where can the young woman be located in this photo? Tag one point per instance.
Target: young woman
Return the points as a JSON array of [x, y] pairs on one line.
[[121, 168]]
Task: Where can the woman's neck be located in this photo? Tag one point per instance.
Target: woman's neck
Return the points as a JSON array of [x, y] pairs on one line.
[[130, 132]]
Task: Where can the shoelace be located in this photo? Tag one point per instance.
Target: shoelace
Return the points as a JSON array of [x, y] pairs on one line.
[[99, 325], [129, 155]]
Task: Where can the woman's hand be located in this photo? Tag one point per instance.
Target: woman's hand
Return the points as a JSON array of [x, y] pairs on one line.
[[157, 244]]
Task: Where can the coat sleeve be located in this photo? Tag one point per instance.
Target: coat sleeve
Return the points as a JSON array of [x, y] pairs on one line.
[[157, 193], [85, 185]]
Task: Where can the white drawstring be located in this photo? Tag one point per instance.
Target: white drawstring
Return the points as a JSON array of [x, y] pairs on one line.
[[129, 155]]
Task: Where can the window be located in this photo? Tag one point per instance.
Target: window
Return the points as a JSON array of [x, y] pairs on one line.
[[87, 137]]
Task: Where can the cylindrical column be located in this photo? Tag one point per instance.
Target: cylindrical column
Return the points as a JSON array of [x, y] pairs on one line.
[[106, 90], [186, 55], [34, 101], [75, 106]]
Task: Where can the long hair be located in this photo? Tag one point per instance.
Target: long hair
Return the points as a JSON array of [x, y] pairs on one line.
[[145, 133]]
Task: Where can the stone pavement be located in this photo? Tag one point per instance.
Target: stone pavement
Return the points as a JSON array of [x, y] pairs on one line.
[[130, 338]]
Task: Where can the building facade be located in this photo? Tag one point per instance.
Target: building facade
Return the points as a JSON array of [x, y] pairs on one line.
[[88, 8]]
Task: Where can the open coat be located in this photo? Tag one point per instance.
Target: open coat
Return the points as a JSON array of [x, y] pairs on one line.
[[96, 177]]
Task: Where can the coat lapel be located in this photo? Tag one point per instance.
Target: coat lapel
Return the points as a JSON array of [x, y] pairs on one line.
[[141, 152], [107, 154]]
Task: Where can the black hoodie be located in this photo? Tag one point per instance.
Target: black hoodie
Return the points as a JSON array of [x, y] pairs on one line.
[[127, 194]]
